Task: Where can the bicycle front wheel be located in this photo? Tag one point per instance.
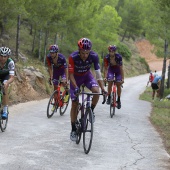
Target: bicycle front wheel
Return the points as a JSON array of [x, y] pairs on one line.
[[66, 99], [87, 130], [3, 123], [52, 105], [79, 124], [112, 104]]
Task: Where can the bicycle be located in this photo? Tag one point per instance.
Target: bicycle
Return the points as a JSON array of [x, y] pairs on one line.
[[3, 122], [84, 122], [58, 99], [113, 102]]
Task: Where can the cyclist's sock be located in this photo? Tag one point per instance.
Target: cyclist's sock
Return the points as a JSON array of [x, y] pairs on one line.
[[118, 99], [73, 125], [5, 109], [92, 107]]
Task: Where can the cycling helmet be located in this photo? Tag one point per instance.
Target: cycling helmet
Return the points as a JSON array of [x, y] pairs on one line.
[[84, 44], [53, 48], [112, 48], [5, 51]]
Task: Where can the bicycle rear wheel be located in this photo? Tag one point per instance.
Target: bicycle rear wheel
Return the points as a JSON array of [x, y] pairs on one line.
[[3, 123], [52, 105], [87, 130], [66, 99], [112, 104]]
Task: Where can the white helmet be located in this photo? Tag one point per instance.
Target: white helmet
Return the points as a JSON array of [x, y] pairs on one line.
[[5, 51]]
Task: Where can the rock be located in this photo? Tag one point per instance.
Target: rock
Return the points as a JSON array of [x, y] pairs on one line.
[[168, 97]]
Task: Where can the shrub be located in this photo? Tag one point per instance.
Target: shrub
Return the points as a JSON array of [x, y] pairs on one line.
[[124, 51]]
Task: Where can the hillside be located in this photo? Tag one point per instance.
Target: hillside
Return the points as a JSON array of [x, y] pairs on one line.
[[146, 51]]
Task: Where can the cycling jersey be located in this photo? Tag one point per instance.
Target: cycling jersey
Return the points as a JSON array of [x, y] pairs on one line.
[[58, 68], [61, 62], [80, 67], [8, 68], [113, 67], [118, 60]]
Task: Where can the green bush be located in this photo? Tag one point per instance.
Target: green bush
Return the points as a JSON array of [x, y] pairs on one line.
[[124, 51]]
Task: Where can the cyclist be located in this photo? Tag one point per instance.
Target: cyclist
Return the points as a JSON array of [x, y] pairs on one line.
[[57, 66], [7, 71], [113, 67], [151, 77], [80, 63], [156, 85]]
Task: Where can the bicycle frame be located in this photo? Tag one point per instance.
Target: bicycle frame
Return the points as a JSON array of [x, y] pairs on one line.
[[58, 99], [114, 91], [60, 94]]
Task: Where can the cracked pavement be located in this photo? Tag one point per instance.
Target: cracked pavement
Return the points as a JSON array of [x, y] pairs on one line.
[[127, 141]]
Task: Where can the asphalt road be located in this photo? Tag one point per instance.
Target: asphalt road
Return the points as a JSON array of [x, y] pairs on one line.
[[127, 141]]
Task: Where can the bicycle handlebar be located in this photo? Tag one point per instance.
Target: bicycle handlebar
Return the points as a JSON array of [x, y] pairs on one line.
[[90, 93]]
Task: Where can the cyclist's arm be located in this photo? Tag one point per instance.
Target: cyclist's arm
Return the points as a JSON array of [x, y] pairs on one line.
[[72, 80], [66, 73], [106, 64], [122, 72], [11, 67], [71, 72], [10, 80], [98, 73], [49, 67]]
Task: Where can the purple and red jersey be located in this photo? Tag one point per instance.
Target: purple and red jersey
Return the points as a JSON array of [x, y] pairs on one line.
[[113, 70], [79, 67], [61, 62], [118, 60], [58, 68]]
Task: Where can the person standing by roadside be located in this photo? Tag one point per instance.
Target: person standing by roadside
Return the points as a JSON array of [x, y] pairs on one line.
[[151, 77], [156, 86]]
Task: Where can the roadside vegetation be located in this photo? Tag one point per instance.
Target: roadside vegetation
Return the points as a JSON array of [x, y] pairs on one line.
[[160, 116]]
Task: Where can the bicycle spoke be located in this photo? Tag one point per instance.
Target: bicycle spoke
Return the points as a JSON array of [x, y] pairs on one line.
[[52, 105], [112, 105], [3, 124], [88, 130], [65, 99]]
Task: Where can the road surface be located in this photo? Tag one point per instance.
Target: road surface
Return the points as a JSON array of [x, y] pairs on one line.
[[127, 141]]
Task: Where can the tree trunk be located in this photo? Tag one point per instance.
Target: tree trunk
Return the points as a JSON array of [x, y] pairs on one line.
[[18, 36], [124, 36], [163, 71], [168, 82], [45, 46], [39, 45], [33, 44]]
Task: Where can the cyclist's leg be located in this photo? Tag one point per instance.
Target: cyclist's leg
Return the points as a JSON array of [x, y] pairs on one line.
[[154, 88], [93, 86], [73, 112], [110, 78], [5, 98], [118, 78]]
